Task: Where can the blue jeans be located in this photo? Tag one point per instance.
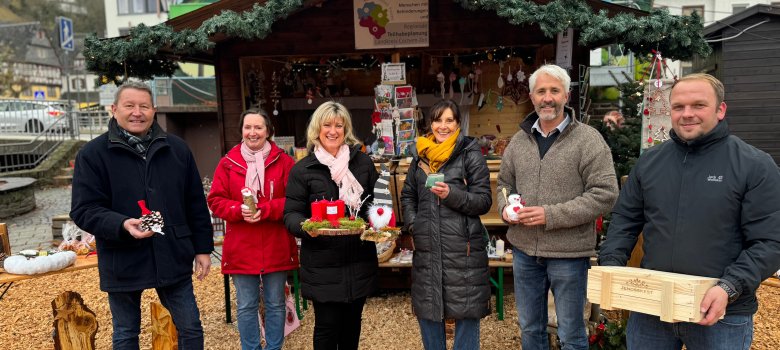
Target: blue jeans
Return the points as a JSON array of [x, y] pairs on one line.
[[733, 332], [248, 297], [435, 338], [179, 299], [534, 277]]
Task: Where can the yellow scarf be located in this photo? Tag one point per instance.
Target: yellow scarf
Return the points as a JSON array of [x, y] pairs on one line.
[[436, 153]]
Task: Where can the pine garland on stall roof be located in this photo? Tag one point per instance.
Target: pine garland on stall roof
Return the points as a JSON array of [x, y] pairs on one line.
[[136, 55]]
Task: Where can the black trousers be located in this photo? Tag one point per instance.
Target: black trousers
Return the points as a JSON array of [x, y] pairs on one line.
[[337, 325]]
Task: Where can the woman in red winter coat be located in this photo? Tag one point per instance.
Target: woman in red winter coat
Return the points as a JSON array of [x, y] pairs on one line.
[[257, 247]]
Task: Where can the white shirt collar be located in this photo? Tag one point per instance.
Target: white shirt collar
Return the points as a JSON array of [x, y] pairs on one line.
[[560, 127]]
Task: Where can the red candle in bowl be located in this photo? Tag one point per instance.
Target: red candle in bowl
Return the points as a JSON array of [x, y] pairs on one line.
[[317, 210], [340, 207], [334, 210]]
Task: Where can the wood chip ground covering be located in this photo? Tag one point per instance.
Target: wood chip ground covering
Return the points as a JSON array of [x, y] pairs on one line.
[[388, 324]]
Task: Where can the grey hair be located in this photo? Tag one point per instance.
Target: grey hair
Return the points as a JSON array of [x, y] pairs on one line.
[[132, 84], [554, 71]]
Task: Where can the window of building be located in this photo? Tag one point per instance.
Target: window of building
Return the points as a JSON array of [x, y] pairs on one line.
[[78, 84], [122, 7], [51, 91], [688, 10], [125, 7], [737, 8]]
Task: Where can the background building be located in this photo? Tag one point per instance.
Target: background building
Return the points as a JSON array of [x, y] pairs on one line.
[[32, 62]]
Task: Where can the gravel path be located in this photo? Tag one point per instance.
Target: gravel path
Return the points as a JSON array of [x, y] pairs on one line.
[[388, 323]]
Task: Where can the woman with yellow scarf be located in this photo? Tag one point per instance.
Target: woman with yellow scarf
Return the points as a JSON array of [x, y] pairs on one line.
[[450, 270]]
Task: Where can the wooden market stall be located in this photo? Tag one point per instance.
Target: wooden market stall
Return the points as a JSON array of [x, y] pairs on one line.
[[320, 35], [312, 52]]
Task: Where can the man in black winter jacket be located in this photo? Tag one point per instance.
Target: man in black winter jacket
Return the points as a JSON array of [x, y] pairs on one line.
[[709, 205], [136, 160]]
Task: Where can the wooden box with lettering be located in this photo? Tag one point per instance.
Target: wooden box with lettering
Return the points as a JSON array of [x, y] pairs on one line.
[[672, 296]]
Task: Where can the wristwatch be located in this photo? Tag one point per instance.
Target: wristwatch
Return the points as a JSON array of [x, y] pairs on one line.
[[733, 294]]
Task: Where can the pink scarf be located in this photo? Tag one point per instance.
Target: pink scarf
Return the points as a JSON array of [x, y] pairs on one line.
[[350, 190], [255, 166]]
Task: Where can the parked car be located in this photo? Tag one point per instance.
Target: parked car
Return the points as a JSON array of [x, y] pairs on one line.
[[32, 116]]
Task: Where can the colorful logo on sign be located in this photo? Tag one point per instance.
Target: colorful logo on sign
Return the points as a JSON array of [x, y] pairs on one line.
[[373, 17]]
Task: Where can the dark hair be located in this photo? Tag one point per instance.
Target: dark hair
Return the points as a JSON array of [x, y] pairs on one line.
[[436, 112], [261, 112]]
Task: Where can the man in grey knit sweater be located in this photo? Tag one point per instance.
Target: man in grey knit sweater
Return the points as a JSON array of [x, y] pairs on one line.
[[563, 170]]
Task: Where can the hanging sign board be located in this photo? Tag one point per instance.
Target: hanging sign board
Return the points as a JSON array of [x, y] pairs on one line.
[[390, 23], [564, 47], [393, 73]]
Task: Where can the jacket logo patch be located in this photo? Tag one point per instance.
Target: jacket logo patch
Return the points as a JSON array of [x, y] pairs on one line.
[[713, 178]]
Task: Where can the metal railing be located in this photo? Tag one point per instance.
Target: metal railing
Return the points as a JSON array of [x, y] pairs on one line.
[[31, 130], [26, 151], [91, 123]]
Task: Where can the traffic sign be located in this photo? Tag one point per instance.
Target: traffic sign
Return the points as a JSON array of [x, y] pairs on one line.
[[65, 26], [39, 95]]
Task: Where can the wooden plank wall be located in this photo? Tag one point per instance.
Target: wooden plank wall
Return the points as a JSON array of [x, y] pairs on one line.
[[751, 75], [484, 121]]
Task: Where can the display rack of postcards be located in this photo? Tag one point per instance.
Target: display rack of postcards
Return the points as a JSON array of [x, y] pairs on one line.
[[394, 114]]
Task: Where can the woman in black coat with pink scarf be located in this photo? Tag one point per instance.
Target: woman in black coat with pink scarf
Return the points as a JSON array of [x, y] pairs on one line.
[[337, 272]]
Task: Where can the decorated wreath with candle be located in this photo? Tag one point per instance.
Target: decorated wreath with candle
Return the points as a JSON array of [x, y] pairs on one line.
[[327, 218]]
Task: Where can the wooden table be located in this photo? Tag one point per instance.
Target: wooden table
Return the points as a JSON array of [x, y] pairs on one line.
[[82, 262], [497, 282]]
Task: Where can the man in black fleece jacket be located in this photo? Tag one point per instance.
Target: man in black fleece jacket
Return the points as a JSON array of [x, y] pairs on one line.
[[709, 205]]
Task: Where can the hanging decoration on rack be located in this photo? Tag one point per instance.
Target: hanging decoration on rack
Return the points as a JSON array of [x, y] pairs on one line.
[[453, 77], [500, 103], [275, 95], [516, 87], [255, 85], [656, 110], [500, 82], [309, 96], [440, 79]]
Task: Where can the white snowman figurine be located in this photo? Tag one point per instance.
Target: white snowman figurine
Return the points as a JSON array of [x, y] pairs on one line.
[[515, 202]]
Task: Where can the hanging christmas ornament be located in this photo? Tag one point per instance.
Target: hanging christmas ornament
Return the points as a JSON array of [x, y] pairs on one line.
[[478, 80], [452, 79], [656, 110], [500, 103], [520, 75], [309, 96], [462, 83], [440, 79], [500, 78], [275, 95]]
